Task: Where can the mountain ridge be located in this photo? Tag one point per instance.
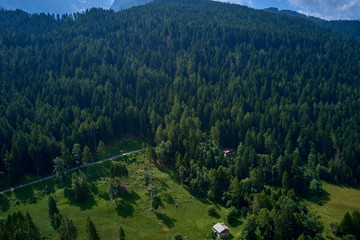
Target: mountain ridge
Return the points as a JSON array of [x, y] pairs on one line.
[[349, 28], [124, 4]]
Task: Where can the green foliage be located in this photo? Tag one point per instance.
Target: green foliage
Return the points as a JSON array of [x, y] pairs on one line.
[[91, 230], [119, 170], [265, 223], [52, 206], [59, 169], [315, 186], [80, 187], [231, 215], [76, 153], [211, 210], [115, 188], [86, 155], [18, 226], [163, 151], [101, 147], [349, 237], [346, 224], [249, 232], [67, 229], [121, 234], [178, 236], [281, 90]]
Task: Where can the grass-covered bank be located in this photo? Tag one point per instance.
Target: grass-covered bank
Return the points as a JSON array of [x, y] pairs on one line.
[[335, 201], [179, 212]]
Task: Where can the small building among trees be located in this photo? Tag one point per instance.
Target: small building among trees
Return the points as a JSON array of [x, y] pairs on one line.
[[229, 153], [221, 230]]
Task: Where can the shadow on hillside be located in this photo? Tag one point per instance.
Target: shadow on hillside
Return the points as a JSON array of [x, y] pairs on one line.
[[168, 221], [4, 203], [47, 187], [168, 199], [25, 194], [125, 205], [127, 159], [104, 195], [166, 170], [85, 205], [215, 214], [230, 237], [124, 209], [130, 196], [320, 199], [236, 223]]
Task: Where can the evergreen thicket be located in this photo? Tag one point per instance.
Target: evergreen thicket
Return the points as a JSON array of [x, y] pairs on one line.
[[192, 77]]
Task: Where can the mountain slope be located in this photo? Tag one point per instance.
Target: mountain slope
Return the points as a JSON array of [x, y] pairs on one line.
[[193, 77], [350, 28], [124, 4]]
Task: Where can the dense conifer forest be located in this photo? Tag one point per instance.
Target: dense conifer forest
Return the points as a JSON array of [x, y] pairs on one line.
[[193, 78]]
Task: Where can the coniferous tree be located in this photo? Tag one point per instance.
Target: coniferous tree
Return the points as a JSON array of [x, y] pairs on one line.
[[346, 225], [91, 230], [121, 234], [67, 230], [52, 206], [59, 169], [86, 155], [76, 153]]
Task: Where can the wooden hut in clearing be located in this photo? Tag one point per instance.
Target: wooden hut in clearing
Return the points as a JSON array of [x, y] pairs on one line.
[[221, 230]]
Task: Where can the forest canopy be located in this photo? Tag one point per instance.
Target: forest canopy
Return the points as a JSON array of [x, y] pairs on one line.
[[191, 77]]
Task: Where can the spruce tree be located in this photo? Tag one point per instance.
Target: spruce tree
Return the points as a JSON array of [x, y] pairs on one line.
[[346, 224], [52, 206], [121, 234], [91, 230]]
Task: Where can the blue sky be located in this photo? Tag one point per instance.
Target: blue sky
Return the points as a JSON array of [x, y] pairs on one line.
[[326, 9]]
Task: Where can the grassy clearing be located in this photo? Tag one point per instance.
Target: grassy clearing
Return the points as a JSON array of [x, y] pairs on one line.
[[180, 211], [116, 148], [334, 203]]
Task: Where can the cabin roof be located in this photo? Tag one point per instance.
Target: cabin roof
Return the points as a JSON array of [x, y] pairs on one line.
[[221, 227]]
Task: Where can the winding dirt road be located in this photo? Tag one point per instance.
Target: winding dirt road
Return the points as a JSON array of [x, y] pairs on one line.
[[72, 169]]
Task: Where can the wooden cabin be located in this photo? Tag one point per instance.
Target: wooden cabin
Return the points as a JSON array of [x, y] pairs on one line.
[[221, 230]]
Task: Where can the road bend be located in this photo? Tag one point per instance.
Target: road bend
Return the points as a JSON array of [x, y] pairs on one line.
[[71, 170]]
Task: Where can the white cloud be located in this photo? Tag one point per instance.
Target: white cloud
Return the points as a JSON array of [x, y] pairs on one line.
[[241, 2], [329, 9]]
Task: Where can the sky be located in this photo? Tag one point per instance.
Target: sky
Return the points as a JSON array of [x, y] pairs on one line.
[[325, 9]]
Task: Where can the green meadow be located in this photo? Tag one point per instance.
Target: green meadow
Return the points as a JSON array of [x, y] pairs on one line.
[[334, 203], [180, 212]]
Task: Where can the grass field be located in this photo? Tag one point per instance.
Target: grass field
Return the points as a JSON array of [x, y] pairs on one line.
[[334, 203], [180, 211]]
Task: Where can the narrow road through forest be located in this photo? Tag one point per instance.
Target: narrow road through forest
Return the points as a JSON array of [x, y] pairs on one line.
[[72, 169]]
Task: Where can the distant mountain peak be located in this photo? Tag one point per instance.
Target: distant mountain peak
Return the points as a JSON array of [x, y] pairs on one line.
[[124, 4]]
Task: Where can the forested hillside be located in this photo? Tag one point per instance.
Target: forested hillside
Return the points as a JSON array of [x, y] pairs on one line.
[[192, 77], [349, 28]]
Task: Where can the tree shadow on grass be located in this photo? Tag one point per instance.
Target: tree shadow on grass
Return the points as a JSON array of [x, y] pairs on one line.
[[131, 197], [236, 223], [104, 195], [215, 215], [169, 172], [25, 194], [320, 199], [124, 209], [168, 221], [87, 204], [4, 203], [168, 199], [46, 187], [230, 236]]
